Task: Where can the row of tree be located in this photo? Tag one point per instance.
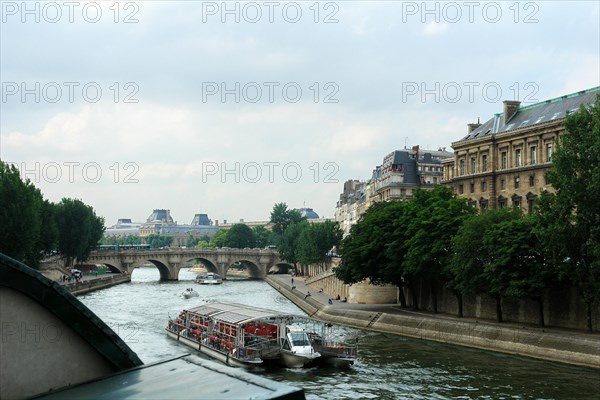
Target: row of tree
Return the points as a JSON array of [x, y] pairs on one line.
[[300, 242], [439, 239], [32, 227]]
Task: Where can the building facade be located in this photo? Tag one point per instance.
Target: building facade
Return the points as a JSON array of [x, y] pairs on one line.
[[503, 162], [400, 173]]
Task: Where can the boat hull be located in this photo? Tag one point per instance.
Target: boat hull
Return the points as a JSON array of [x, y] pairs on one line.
[[224, 357], [293, 360]]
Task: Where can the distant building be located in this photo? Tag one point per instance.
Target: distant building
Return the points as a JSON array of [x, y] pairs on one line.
[[160, 222], [308, 213], [401, 172], [503, 161], [123, 227], [348, 206]]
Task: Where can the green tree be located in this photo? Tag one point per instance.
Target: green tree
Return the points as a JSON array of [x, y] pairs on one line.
[[316, 240], [288, 243], [572, 233], [79, 229], [373, 249], [240, 236], [282, 217], [191, 241], [157, 241], [202, 244], [473, 257], [436, 215], [219, 239], [263, 236], [21, 211], [518, 267]]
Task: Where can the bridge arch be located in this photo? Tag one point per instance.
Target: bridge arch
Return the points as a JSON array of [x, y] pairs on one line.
[[280, 268], [207, 263], [165, 273], [254, 270]]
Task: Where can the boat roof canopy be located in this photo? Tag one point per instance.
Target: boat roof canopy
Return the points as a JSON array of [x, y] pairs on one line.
[[237, 313]]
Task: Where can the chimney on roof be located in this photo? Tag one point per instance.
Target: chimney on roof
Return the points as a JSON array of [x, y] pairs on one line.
[[509, 109], [471, 127]]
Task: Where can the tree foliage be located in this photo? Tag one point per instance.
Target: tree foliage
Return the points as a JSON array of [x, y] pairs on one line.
[[316, 240], [219, 239], [282, 217], [288, 243], [240, 236], [366, 252], [21, 212], [157, 241], [263, 236], [80, 229], [572, 233]]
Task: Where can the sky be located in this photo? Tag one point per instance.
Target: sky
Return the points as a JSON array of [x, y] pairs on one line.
[[227, 108]]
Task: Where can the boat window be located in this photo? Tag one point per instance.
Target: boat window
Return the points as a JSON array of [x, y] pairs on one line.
[[299, 339]]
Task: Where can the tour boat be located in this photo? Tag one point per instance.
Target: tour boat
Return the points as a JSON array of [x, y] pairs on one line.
[[210, 278], [246, 336]]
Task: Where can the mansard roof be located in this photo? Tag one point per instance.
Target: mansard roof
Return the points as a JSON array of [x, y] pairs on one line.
[[539, 113]]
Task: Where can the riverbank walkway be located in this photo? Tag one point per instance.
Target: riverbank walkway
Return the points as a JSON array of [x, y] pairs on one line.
[[446, 328]]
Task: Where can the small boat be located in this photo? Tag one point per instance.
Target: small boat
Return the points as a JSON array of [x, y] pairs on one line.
[[197, 269], [297, 351], [210, 278], [189, 293], [246, 336]]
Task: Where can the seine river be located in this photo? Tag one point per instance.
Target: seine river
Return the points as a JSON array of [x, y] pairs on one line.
[[388, 366]]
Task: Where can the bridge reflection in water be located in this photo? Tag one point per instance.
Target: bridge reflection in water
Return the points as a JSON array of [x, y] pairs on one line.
[[169, 261]]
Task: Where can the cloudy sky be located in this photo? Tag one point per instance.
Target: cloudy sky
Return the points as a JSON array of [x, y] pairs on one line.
[[227, 108]]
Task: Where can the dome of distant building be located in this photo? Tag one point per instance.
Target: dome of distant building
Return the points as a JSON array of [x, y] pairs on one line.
[[160, 215], [308, 213]]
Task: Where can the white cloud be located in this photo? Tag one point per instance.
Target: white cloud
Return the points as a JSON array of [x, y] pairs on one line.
[[433, 28]]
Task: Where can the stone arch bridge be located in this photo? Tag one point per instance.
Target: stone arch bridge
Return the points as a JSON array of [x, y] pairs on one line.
[[169, 261]]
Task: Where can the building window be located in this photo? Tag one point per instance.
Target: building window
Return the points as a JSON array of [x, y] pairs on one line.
[[472, 187], [473, 169], [549, 152], [483, 185], [531, 203], [504, 159], [484, 163], [517, 182], [517, 157], [462, 167], [502, 184], [533, 155], [483, 205], [461, 189], [517, 202], [501, 202], [531, 180]]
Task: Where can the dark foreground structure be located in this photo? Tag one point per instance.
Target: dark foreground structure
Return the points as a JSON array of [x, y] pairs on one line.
[[54, 347]]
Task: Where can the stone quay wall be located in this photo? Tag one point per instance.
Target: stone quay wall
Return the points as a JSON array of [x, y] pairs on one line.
[[552, 345], [100, 282]]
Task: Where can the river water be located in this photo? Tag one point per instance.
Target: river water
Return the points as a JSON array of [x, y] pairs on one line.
[[388, 366]]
